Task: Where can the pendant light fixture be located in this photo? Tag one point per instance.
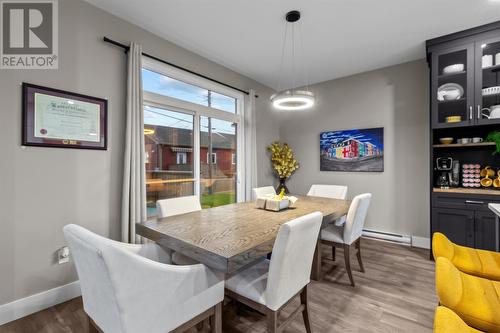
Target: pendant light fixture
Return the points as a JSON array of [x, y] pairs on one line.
[[292, 99]]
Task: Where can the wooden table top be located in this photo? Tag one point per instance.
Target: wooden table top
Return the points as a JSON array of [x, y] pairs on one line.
[[231, 236]]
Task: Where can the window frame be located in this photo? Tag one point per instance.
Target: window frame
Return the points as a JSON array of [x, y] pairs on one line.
[[183, 159], [213, 160], [198, 111]]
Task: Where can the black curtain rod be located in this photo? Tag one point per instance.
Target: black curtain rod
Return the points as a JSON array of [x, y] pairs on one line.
[[127, 48]]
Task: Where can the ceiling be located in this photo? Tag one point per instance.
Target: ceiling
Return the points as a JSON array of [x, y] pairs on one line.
[[340, 37]]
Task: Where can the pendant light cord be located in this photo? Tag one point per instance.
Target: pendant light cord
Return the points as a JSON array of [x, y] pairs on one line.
[[306, 69], [283, 47], [293, 57]]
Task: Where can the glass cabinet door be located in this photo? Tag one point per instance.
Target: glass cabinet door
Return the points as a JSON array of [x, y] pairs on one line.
[[487, 107], [452, 86]]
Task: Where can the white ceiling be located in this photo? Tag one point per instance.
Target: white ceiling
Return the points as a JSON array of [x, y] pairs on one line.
[[341, 37]]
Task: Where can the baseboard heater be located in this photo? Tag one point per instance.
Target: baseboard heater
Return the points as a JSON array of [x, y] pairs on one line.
[[387, 236]]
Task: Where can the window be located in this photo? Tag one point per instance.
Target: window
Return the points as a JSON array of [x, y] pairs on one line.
[[167, 86], [181, 158], [191, 137], [214, 158], [167, 135]]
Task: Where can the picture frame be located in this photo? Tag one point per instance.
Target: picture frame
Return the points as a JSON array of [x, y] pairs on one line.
[[62, 119], [355, 150]]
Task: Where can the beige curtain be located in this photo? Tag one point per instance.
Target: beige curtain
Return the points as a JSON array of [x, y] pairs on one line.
[[250, 145], [134, 173]]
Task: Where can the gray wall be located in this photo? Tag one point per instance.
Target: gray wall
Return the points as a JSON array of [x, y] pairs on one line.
[[43, 189], [394, 97]]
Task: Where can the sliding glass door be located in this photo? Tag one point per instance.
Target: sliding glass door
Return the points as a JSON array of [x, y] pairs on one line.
[[218, 156], [169, 145]]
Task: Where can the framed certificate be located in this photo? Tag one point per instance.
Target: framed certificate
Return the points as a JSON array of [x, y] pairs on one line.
[[57, 118]]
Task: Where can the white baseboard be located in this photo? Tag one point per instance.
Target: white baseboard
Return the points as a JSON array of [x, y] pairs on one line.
[[422, 242], [34, 303]]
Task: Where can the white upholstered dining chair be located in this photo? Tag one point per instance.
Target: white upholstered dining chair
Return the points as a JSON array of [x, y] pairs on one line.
[[178, 206], [133, 288], [344, 236], [269, 285], [330, 191], [263, 191]]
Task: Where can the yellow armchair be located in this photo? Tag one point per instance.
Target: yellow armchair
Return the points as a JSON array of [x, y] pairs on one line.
[[480, 263], [447, 321], [476, 300]]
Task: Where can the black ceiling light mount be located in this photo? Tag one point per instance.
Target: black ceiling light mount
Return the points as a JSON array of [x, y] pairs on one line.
[[292, 16]]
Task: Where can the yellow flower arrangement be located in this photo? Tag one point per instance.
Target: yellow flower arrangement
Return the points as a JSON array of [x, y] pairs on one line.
[[284, 162]]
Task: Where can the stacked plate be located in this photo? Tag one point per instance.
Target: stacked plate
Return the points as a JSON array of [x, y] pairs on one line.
[[491, 91]]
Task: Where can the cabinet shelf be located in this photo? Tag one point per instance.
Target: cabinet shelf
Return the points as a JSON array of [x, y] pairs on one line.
[[495, 68], [460, 145], [463, 190], [452, 101], [445, 76]]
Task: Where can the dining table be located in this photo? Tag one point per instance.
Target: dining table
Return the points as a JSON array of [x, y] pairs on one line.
[[232, 237]]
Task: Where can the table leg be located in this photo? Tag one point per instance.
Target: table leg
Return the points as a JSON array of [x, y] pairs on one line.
[[316, 266]]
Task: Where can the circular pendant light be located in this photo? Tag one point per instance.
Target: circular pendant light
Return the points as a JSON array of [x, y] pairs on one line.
[[292, 100]]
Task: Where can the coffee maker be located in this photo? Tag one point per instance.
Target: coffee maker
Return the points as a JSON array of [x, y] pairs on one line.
[[444, 165]]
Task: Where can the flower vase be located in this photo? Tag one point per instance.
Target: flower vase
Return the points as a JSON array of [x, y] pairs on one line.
[[282, 185]]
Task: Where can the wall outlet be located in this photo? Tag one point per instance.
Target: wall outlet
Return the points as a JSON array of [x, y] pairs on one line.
[[63, 255]]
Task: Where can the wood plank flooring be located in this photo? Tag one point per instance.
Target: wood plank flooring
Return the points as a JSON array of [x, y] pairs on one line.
[[396, 294]]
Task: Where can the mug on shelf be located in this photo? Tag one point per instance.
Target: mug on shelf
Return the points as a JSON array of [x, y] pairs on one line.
[[487, 60], [493, 112], [477, 140], [464, 140], [497, 59], [487, 172]]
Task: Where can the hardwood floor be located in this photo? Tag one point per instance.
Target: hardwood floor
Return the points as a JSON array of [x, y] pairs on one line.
[[396, 294]]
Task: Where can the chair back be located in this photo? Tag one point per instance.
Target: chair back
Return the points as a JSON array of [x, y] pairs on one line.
[[356, 216], [263, 191], [328, 191], [291, 261], [177, 206], [99, 299]]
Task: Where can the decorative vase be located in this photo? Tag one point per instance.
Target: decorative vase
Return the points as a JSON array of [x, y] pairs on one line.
[[282, 185]]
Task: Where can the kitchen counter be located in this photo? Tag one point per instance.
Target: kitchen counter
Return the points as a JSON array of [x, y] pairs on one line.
[[495, 208]]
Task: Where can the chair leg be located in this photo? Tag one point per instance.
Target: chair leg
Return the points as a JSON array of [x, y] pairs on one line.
[[347, 259], [333, 252], [305, 313], [272, 321], [216, 319], [358, 254]]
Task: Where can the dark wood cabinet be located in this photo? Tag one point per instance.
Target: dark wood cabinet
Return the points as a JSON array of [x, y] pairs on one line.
[[465, 62], [456, 224], [484, 230], [473, 104]]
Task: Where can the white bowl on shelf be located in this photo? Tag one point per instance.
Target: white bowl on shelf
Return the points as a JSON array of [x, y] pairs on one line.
[[456, 68]]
